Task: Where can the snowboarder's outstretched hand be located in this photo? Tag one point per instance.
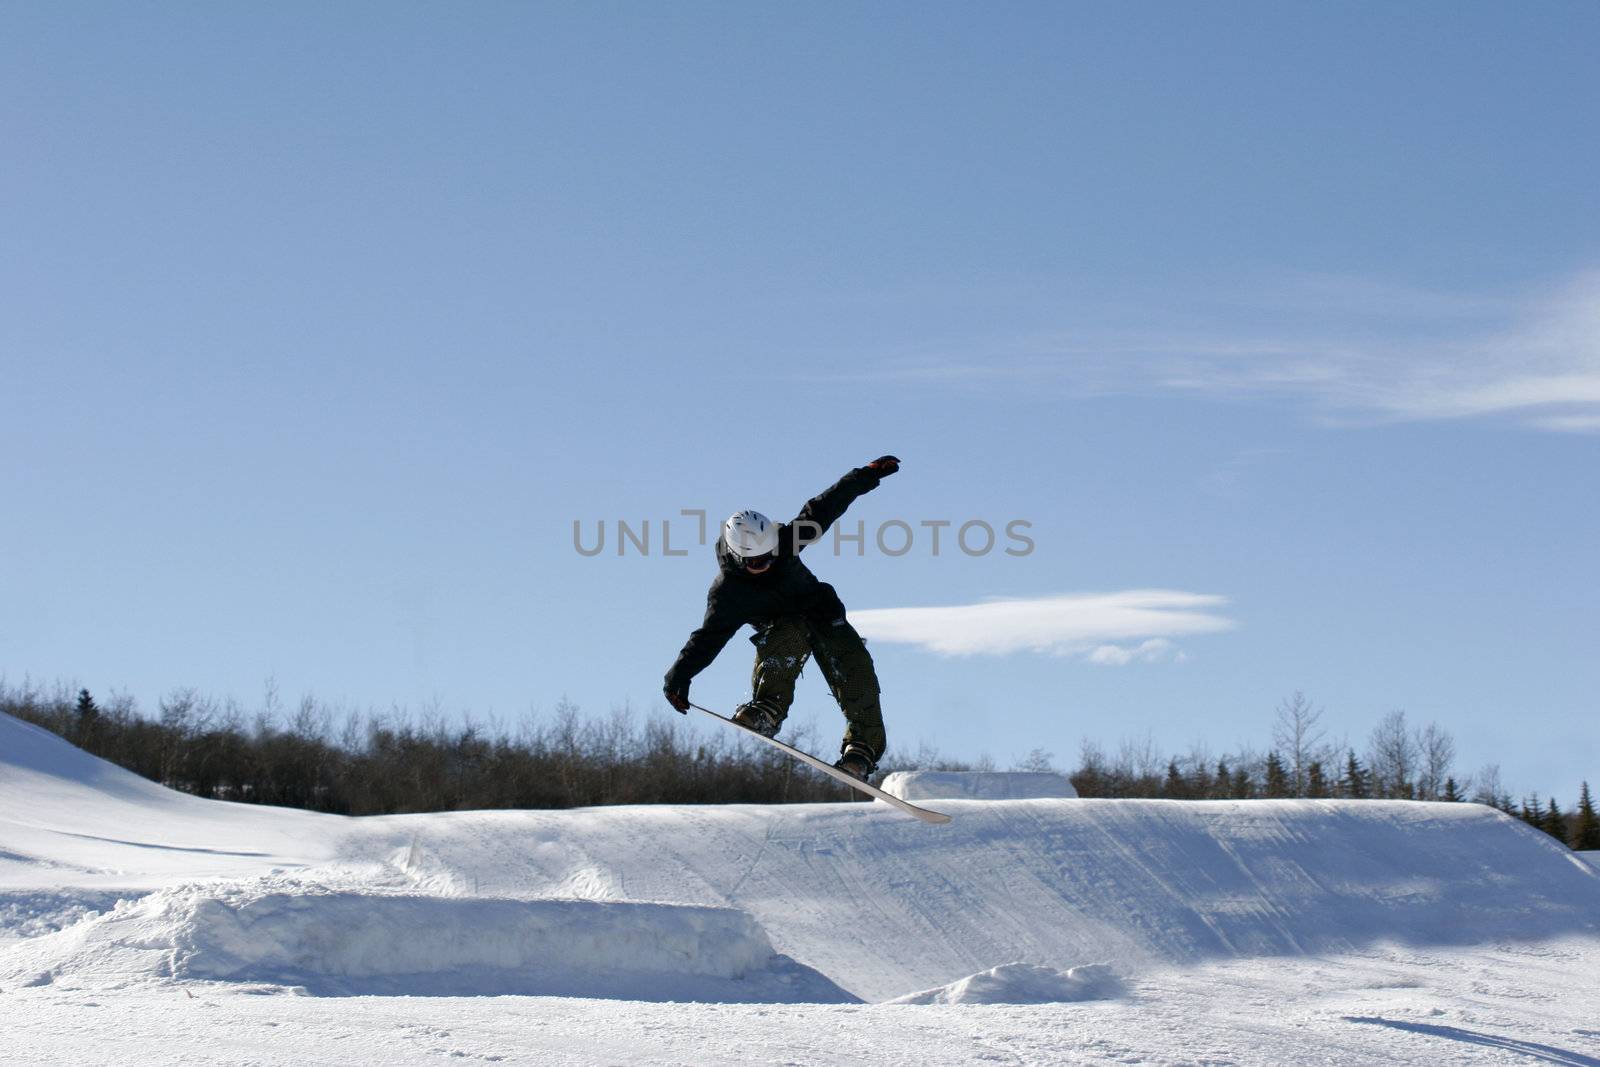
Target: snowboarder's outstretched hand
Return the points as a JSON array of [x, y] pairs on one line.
[[884, 465], [678, 700]]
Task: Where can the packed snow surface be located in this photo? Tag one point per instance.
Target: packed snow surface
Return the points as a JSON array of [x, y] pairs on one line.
[[1023, 983], [1258, 931], [401, 942], [977, 785]]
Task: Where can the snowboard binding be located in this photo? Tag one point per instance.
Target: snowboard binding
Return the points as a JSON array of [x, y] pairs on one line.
[[857, 762], [759, 718]]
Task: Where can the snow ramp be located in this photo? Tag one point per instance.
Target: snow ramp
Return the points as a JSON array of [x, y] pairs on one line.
[[885, 905]]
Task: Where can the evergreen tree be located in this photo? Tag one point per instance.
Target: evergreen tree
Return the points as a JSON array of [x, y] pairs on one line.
[[1354, 782], [1452, 792], [1243, 788], [1277, 776], [1316, 781], [1222, 785], [1093, 776], [86, 715], [1554, 822], [1530, 812], [1585, 827], [1176, 788]]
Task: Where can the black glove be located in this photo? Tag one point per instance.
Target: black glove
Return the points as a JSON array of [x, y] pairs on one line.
[[679, 699], [884, 465]]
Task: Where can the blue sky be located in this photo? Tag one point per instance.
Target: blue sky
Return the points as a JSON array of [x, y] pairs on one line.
[[321, 326]]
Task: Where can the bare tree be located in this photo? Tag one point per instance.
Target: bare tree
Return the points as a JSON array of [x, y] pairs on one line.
[[1296, 733], [311, 720], [1392, 757], [1436, 750], [1138, 757], [184, 715], [1037, 761], [1489, 788]]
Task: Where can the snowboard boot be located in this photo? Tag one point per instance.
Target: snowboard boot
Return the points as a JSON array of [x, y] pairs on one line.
[[758, 716], [857, 762]]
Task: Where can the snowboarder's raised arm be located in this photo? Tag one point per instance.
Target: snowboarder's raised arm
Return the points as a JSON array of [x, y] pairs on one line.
[[824, 509], [698, 652]]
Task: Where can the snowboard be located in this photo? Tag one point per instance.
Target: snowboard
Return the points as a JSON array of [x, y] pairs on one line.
[[831, 771]]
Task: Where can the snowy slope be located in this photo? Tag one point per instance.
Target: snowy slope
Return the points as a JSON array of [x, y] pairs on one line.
[[1091, 931], [881, 904], [69, 818]]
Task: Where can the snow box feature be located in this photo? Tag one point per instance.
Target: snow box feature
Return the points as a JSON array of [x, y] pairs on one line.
[[335, 942], [977, 785]]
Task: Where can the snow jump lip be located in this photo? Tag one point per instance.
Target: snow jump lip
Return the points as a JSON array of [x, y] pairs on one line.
[[932, 818]]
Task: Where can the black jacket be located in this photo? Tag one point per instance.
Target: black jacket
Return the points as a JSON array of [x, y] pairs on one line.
[[786, 588]]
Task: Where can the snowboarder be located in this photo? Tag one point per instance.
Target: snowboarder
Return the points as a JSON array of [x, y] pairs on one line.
[[761, 581]]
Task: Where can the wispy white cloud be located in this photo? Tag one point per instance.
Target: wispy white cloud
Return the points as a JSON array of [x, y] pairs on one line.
[[1541, 366], [1354, 349], [1569, 423], [1115, 629], [1152, 651]]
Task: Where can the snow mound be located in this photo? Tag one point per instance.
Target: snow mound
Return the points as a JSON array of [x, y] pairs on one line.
[[364, 941], [33, 913], [26, 749], [1592, 857], [69, 818], [977, 785], [1023, 983]]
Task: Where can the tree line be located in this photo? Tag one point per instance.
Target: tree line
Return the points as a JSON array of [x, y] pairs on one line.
[[1398, 761], [312, 757]]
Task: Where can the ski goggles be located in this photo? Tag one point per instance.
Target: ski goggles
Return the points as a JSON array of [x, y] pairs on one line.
[[749, 562]]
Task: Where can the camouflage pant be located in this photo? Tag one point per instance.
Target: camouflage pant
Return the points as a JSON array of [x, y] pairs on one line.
[[782, 648]]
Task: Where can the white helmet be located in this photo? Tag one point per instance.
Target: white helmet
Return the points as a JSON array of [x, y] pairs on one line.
[[749, 534]]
